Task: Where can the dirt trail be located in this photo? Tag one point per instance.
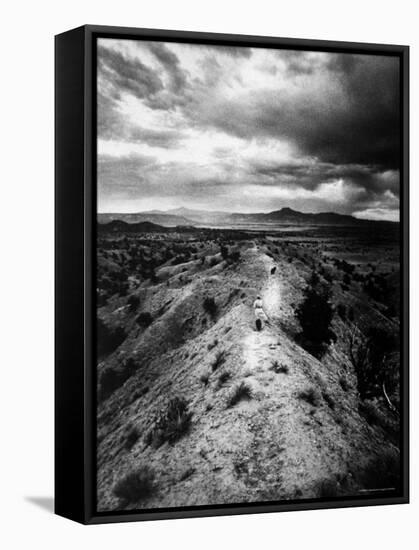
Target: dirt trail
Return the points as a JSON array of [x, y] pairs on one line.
[[258, 345], [289, 439]]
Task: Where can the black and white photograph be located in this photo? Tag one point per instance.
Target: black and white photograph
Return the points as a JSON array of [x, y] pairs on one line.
[[248, 275]]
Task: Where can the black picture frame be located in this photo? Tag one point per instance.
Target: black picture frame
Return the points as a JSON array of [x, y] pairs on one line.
[[75, 207]]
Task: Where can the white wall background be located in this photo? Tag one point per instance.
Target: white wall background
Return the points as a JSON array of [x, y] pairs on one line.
[[26, 232]]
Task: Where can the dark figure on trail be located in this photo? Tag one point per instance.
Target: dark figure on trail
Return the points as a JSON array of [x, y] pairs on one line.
[[273, 270], [260, 315]]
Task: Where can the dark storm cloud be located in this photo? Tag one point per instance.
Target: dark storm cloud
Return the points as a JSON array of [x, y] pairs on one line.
[[356, 121], [311, 175], [126, 74]]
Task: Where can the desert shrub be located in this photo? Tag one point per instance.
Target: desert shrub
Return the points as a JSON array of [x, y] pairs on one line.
[[133, 302], [144, 319], [112, 378], [235, 256], [204, 378], [311, 395], [108, 338], [224, 252], [341, 310], [218, 360], [279, 368], [328, 276], [131, 438], [315, 315], [213, 262], [136, 485], [370, 355], [347, 279], [329, 399], [187, 473], [210, 306], [240, 392], [212, 345], [370, 410], [223, 378], [343, 383], [171, 423], [377, 287], [382, 472]]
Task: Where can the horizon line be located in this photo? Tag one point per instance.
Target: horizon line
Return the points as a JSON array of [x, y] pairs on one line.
[[170, 210]]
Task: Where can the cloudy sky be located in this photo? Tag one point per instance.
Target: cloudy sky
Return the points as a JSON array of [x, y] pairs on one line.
[[246, 130]]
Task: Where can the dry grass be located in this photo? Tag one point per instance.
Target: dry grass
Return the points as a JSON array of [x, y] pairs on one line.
[[136, 485], [171, 423], [279, 368], [310, 395], [240, 392], [218, 360]]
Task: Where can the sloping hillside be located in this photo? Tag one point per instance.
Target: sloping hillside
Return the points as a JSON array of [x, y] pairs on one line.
[[257, 417]]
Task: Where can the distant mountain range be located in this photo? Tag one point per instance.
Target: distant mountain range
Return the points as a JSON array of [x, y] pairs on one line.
[[188, 217], [167, 219], [119, 226]]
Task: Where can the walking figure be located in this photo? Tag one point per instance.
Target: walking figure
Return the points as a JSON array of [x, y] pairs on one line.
[[260, 314]]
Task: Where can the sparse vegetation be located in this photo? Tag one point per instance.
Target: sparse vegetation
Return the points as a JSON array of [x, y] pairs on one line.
[[112, 378], [343, 383], [341, 310], [219, 359], [204, 377], [329, 399], [133, 302], [315, 315], [223, 378], [311, 395], [144, 319], [234, 256], [279, 368], [136, 485], [171, 423], [371, 357], [212, 345], [224, 252], [210, 306], [109, 338], [242, 391], [131, 438]]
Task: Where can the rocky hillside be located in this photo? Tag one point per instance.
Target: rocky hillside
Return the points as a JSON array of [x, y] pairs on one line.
[[196, 407]]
